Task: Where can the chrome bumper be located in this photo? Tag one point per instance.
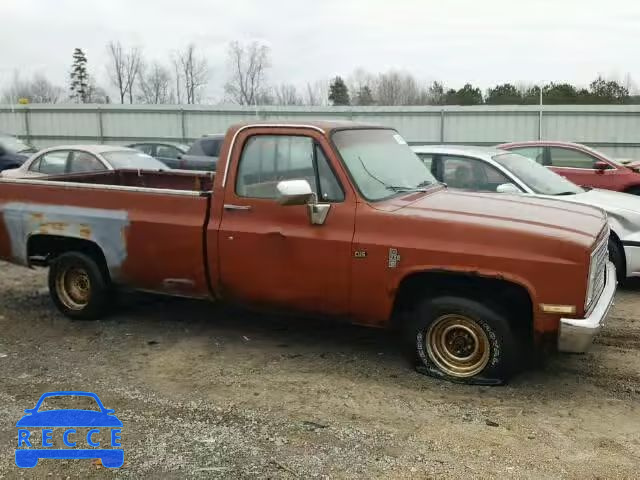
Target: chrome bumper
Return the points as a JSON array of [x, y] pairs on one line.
[[576, 335]]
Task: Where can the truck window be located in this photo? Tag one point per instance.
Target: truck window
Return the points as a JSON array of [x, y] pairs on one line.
[[330, 189], [269, 159]]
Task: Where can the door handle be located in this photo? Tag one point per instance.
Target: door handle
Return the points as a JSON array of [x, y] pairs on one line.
[[228, 206]]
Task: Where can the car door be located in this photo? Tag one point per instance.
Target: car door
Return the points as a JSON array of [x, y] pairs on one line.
[[270, 254], [169, 155], [578, 166], [84, 162], [49, 163], [473, 174]]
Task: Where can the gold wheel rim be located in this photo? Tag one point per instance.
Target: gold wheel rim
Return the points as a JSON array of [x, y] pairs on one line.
[[458, 345], [74, 288]]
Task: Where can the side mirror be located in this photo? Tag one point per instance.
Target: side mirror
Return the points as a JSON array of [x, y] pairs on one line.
[[508, 188], [294, 192], [298, 192], [600, 166]]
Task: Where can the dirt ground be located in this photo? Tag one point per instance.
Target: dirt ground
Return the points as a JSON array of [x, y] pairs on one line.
[[205, 392]]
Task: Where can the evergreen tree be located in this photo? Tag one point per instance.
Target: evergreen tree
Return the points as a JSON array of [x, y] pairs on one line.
[[79, 77], [364, 96], [338, 92]]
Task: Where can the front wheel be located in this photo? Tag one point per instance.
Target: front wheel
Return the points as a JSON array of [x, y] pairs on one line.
[[462, 340], [78, 286]]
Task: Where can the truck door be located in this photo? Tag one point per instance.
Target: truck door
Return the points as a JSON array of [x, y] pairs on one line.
[[270, 254]]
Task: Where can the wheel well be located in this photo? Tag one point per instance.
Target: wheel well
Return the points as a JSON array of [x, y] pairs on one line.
[[511, 299], [613, 236], [633, 190], [43, 249]]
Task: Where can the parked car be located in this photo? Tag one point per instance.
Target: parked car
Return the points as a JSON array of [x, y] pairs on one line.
[[82, 159], [582, 165], [171, 154], [13, 151], [203, 153], [491, 170], [328, 218]]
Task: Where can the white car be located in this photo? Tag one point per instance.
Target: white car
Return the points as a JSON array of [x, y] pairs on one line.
[[491, 170], [67, 159]]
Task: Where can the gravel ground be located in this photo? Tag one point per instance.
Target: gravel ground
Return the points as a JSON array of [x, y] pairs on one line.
[[205, 392]]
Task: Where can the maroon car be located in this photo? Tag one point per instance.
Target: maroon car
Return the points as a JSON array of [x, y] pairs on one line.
[[581, 164]]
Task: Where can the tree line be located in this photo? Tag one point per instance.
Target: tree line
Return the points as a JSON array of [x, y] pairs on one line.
[[185, 76]]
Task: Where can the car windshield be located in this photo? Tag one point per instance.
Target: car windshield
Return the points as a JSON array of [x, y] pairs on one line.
[[538, 178], [13, 144], [381, 163], [122, 159]]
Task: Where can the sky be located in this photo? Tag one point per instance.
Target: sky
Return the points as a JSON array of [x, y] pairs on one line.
[[453, 41]]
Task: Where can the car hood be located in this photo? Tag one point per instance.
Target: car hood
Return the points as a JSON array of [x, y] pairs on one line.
[[608, 200], [546, 216], [69, 418]]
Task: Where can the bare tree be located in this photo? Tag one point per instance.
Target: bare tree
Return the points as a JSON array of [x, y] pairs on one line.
[[155, 84], [361, 84], [317, 93], [123, 68], [193, 71], [37, 90], [286, 94], [398, 88], [247, 66]]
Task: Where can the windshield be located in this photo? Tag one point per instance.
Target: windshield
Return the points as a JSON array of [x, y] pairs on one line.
[[381, 163], [538, 178], [13, 144], [122, 159]]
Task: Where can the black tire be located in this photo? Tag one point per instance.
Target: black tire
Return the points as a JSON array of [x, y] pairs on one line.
[[494, 350], [86, 293], [633, 190], [616, 256]]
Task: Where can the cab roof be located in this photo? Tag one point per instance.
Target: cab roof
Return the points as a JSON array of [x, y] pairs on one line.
[[325, 125]]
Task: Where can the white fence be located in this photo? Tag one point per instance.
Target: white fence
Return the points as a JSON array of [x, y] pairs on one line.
[[612, 128]]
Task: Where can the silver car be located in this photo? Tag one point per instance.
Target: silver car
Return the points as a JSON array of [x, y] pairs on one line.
[[67, 159], [492, 170]]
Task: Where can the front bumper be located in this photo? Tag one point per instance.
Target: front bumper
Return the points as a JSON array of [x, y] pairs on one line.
[[576, 334]]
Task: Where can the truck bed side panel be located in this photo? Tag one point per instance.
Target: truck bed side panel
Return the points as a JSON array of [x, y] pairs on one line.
[[150, 240]]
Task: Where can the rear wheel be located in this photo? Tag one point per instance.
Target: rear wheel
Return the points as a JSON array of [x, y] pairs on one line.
[[462, 340], [79, 288]]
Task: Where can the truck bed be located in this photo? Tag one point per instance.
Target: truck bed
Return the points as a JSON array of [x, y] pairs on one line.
[[166, 180], [148, 226]]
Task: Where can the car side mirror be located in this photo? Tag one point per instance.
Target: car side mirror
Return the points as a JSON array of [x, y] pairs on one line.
[[298, 192], [508, 188], [294, 192], [600, 166]]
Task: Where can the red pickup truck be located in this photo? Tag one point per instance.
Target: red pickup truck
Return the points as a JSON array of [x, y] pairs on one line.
[[329, 218]]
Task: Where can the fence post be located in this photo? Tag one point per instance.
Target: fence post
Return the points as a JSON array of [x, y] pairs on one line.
[[540, 123], [442, 114], [27, 126], [100, 126], [183, 126]]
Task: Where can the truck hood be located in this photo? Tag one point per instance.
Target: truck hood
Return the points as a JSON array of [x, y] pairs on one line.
[[547, 216]]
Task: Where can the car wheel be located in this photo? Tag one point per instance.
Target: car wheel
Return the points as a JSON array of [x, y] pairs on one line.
[[462, 340], [616, 256], [633, 190], [79, 288]]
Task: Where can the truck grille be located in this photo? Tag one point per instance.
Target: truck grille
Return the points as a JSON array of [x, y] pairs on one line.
[[597, 273]]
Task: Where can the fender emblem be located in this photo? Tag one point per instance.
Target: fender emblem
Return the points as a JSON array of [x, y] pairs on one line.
[[360, 254], [394, 258]]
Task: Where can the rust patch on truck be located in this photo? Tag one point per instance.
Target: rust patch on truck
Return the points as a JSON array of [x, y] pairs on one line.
[[106, 228]]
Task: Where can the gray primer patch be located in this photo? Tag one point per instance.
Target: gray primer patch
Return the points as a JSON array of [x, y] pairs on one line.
[[106, 228]]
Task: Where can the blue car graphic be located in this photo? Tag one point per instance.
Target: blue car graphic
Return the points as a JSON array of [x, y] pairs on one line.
[[70, 418]]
